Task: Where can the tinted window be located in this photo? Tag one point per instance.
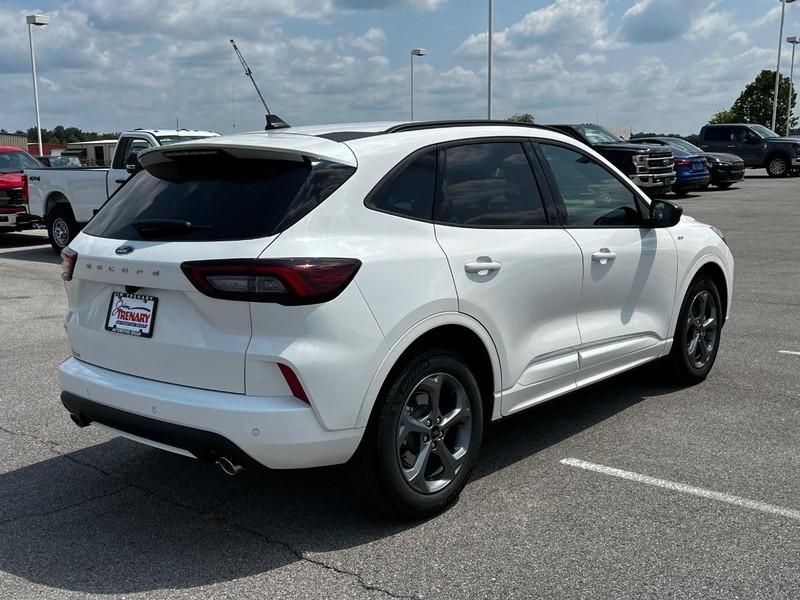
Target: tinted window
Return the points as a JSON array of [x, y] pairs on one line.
[[486, 185], [409, 192], [718, 134], [11, 162], [224, 198], [135, 147], [592, 195]]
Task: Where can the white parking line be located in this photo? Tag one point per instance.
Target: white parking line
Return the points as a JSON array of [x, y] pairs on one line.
[[792, 352], [685, 489]]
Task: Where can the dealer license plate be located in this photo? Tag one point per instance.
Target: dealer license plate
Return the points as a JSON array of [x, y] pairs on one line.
[[131, 314]]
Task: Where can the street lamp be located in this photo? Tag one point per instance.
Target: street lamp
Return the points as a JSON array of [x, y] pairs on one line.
[[491, 31], [793, 40], [778, 69], [36, 21], [414, 52]]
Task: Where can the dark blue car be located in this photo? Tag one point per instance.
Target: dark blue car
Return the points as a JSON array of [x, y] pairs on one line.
[[690, 167]]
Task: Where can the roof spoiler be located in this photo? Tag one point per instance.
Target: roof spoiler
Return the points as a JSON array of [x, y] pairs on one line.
[[275, 122]]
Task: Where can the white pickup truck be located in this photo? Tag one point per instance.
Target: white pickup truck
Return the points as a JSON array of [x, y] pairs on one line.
[[66, 198]]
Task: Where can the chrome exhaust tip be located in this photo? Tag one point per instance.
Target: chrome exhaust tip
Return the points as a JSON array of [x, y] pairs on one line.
[[229, 467]]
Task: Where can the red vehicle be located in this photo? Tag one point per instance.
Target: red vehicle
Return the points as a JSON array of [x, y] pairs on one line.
[[13, 202]]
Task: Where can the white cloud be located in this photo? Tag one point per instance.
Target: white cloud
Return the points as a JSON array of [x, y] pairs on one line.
[[587, 60], [371, 41], [556, 25]]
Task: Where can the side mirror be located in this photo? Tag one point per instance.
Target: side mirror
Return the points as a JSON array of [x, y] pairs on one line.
[[133, 167], [664, 214]]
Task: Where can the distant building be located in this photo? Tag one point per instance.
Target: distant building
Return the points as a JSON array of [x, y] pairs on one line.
[[98, 153], [47, 149], [623, 132], [13, 139]]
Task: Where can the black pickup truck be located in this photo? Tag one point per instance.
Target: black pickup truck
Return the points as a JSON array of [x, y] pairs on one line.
[[651, 167], [758, 146]]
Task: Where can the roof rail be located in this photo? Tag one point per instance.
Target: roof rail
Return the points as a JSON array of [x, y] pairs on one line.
[[421, 125]]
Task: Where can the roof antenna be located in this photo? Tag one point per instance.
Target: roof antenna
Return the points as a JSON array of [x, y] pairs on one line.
[[273, 121]]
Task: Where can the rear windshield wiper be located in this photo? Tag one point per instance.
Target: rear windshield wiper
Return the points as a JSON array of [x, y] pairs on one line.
[[158, 228]]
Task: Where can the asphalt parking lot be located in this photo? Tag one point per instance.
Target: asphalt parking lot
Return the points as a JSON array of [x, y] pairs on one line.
[[634, 488]]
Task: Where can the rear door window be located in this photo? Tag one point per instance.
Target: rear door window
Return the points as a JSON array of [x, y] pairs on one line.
[[221, 197], [489, 184], [718, 134]]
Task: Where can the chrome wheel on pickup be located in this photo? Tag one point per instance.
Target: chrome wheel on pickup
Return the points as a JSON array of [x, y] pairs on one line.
[[778, 166], [61, 227]]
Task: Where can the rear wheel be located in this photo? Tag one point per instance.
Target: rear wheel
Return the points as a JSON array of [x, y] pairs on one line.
[[423, 439], [697, 336], [778, 165], [61, 227], [724, 185]]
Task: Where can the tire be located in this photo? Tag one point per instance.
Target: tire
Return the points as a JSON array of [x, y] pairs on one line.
[[724, 185], [704, 188], [61, 227], [678, 190], [778, 165], [690, 359], [402, 441]]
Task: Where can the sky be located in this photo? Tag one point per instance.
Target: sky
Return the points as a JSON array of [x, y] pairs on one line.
[[652, 65]]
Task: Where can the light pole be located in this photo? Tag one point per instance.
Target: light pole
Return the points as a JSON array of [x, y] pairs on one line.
[[36, 21], [491, 31], [414, 52], [778, 69], [793, 40]]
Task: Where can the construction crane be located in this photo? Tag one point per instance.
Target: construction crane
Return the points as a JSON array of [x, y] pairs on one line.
[[273, 121]]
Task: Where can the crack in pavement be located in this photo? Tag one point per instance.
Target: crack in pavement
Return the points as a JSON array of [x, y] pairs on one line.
[[208, 514], [54, 511]]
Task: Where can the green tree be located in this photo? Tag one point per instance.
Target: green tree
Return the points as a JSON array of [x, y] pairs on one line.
[[725, 116], [754, 104], [522, 118]]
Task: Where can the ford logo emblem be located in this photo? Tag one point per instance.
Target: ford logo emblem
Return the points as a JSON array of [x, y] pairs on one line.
[[122, 250]]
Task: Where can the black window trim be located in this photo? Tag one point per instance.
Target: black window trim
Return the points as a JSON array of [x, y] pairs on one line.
[[561, 207], [536, 171]]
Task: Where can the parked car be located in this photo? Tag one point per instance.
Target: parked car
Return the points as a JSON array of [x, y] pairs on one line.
[[758, 146], [690, 167], [59, 161], [649, 166], [65, 198], [725, 169], [14, 214], [290, 300]]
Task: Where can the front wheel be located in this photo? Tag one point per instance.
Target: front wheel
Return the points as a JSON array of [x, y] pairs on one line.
[[697, 336], [423, 439], [777, 166], [61, 227]]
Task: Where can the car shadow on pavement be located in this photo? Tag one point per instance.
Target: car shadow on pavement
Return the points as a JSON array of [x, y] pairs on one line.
[[122, 518], [41, 254]]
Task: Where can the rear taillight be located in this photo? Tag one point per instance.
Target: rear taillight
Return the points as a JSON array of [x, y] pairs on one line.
[[68, 259], [25, 193], [288, 281], [683, 162]]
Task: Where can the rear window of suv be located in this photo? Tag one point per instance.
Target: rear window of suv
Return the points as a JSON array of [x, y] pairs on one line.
[[222, 197]]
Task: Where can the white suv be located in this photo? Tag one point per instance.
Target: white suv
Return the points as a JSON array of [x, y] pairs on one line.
[[376, 292]]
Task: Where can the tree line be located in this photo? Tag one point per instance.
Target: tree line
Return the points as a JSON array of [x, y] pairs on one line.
[[64, 135]]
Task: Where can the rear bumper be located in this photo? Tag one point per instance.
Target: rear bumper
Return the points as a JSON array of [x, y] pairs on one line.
[[16, 219], [278, 432], [691, 181], [727, 175]]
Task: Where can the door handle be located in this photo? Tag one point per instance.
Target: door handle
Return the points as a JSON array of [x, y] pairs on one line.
[[480, 267], [603, 256], [120, 180]]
